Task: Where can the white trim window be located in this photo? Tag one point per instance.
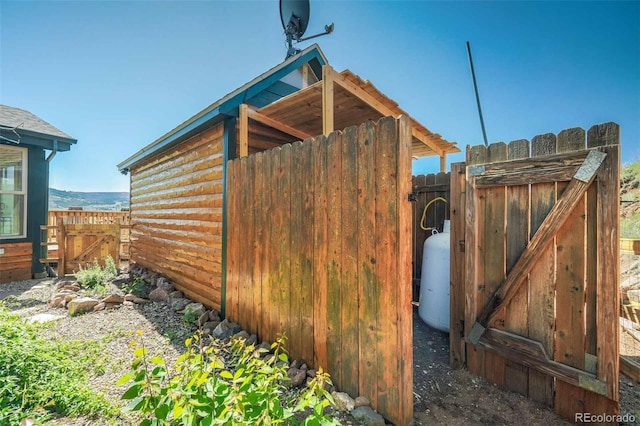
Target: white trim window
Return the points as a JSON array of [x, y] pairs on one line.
[[13, 192]]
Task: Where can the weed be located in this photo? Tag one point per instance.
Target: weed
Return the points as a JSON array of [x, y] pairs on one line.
[[136, 287], [96, 278], [222, 383], [42, 377]]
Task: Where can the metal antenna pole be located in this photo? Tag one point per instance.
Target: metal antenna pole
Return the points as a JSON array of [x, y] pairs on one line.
[[475, 87]]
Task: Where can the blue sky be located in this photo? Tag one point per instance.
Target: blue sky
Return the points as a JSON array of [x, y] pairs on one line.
[[118, 74]]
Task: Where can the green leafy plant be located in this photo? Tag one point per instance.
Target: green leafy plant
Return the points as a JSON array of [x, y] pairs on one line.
[[135, 287], [221, 383], [42, 378], [94, 277]]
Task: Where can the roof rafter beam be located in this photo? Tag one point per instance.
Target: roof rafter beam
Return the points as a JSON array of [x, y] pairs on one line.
[[253, 114], [365, 97]]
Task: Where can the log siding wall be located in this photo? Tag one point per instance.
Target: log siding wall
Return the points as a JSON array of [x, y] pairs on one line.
[[176, 215]]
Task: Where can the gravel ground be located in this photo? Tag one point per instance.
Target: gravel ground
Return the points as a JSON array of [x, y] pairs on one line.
[[441, 395]]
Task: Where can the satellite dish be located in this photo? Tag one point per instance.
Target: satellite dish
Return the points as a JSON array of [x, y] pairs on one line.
[[294, 15]]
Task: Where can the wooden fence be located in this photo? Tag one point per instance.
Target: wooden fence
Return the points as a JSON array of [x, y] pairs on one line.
[[317, 249], [51, 253], [534, 303], [426, 188]]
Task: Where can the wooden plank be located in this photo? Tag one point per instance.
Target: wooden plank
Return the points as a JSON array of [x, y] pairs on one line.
[[517, 237], [334, 255], [386, 239], [296, 219], [403, 278], [368, 285], [473, 267], [493, 257], [248, 285], [551, 168], [630, 368], [273, 246], [349, 275], [265, 119], [327, 100], [608, 266], [233, 230], [542, 276], [457, 353], [284, 258], [307, 252], [243, 134], [569, 347], [320, 255]]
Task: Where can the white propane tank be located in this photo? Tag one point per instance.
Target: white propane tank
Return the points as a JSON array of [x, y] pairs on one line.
[[434, 282]]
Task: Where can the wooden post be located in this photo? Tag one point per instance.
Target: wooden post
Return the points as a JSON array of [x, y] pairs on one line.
[[244, 131], [443, 163], [457, 354], [327, 99]]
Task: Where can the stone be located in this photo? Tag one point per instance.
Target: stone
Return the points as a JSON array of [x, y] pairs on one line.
[[113, 298], [362, 401], [343, 401], [242, 334], [113, 305], [214, 315], [209, 326], [312, 373], [128, 297], [366, 416], [44, 318], [304, 367], [165, 284], [265, 345], [159, 295], [296, 363], [179, 304], [176, 294], [64, 283], [139, 300], [99, 307], [296, 376], [57, 301], [81, 305], [128, 303], [194, 310], [226, 329], [252, 340], [204, 318]]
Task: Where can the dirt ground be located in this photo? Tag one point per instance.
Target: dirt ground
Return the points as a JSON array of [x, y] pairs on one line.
[[441, 395]]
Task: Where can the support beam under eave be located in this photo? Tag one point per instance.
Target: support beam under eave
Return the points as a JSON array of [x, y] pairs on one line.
[[244, 130], [443, 163], [327, 99]]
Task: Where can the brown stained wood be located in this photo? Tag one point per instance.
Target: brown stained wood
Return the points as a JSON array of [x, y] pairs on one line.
[[517, 237], [349, 276], [473, 266], [264, 119], [368, 284], [274, 244], [569, 345], [542, 276], [15, 262], [386, 239], [457, 353], [334, 256], [603, 134], [284, 258], [307, 252], [327, 100], [630, 368], [418, 237], [296, 219], [554, 168], [258, 245], [249, 287], [320, 255], [405, 310], [243, 133], [608, 278], [493, 257], [233, 227]]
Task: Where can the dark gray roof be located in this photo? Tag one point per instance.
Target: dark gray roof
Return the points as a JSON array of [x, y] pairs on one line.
[[23, 119]]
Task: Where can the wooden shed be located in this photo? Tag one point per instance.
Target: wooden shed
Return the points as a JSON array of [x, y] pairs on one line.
[[178, 182], [24, 188]]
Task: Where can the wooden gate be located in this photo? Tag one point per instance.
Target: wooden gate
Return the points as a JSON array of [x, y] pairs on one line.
[[535, 294], [319, 248], [80, 244]]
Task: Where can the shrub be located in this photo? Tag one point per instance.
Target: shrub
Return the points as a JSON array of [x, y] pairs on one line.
[[221, 383], [95, 277], [41, 377]]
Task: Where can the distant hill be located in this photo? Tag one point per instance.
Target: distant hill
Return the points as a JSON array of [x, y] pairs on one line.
[[113, 201]]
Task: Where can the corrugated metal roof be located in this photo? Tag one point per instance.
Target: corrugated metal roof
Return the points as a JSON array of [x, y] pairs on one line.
[[22, 119]]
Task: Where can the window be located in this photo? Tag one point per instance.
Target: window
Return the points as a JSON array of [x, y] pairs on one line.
[[13, 192]]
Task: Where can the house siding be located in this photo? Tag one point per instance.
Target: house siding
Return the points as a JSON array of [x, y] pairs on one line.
[[176, 215]]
